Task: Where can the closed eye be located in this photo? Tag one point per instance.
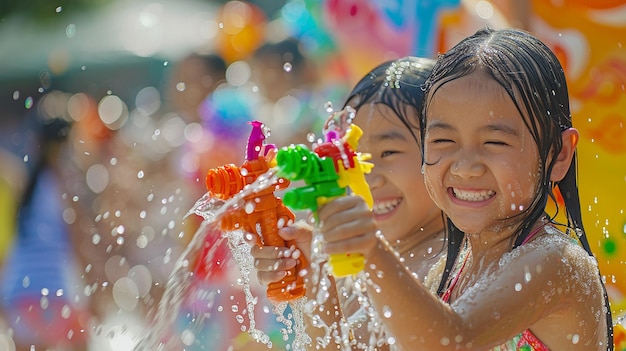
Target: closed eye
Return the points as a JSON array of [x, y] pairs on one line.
[[388, 153], [441, 141], [497, 142]]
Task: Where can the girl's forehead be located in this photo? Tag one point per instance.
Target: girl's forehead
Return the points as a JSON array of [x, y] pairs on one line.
[[473, 99], [468, 86]]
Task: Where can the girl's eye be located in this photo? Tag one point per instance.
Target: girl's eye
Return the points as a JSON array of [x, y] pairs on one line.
[[388, 153], [441, 141], [497, 142]]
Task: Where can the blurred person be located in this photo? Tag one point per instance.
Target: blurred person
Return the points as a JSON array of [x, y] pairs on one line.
[[194, 78], [291, 97], [42, 297]]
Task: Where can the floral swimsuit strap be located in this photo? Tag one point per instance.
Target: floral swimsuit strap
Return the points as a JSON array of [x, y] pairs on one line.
[[529, 342]]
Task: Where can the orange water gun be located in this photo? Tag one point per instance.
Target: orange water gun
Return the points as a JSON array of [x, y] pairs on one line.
[[263, 213]]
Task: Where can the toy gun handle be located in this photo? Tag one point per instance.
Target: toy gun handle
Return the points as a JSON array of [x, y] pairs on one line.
[[296, 162], [263, 219]]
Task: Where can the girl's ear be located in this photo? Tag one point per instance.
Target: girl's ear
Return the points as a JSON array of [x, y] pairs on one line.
[[564, 158]]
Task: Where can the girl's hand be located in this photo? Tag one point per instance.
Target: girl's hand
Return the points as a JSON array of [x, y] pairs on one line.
[[272, 263], [348, 226]]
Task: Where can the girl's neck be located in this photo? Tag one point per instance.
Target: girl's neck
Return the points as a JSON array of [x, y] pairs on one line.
[[497, 242]]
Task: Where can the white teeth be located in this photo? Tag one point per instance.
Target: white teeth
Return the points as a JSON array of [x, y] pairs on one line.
[[384, 207], [473, 195]]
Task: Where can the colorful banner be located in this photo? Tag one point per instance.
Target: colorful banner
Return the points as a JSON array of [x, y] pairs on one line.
[[590, 39]]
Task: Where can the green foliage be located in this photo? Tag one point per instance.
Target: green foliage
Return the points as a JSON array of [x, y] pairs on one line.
[[46, 10]]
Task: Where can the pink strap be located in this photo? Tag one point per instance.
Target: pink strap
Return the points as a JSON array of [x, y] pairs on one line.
[[533, 233], [446, 296]]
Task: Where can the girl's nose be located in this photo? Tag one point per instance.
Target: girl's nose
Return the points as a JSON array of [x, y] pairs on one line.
[[467, 166], [374, 179]]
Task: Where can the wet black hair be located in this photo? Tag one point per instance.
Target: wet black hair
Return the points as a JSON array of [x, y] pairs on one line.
[[400, 85], [397, 84], [535, 81], [212, 62], [49, 132]]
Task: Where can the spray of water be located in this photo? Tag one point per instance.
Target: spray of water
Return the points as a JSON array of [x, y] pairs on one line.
[[212, 210]]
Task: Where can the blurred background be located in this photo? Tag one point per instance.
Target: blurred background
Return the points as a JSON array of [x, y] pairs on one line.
[[112, 111]]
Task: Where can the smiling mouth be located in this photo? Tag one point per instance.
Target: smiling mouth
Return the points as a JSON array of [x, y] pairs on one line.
[[475, 196], [384, 207]]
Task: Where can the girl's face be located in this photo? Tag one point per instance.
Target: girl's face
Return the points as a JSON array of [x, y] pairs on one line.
[[483, 165], [402, 206]]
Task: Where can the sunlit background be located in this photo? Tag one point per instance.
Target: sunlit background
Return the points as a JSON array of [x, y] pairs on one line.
[[130, 102]]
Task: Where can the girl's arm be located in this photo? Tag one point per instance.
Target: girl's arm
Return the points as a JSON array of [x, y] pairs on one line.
[[550, 286]]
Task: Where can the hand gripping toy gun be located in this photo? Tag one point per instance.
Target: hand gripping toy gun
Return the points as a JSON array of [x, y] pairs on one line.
[[263, 213], [327, 172]]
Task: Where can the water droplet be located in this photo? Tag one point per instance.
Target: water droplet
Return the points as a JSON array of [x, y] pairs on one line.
[[125, 294], [58, 9], [142, 241], [249, 207], [387, 311], [328, 106], [287, 67], [70, 30], [518, 287], [26, 282], [66, 311], [188, 337], [44, 302], [140, 174], [28, 103]]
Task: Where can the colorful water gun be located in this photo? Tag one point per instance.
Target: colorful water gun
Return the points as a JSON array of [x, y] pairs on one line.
[[327, 172], [263, 213]]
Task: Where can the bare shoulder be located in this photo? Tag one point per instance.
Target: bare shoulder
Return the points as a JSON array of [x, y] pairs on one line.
[[572, 291], [561, 259], [563, 251]]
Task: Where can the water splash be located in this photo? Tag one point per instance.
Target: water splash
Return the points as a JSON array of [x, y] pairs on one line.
[[212, 210]]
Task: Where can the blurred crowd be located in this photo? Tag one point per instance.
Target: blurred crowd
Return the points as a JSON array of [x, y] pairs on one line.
[[95, 189]]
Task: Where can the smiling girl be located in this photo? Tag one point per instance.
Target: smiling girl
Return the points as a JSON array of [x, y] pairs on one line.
[[497, 143]]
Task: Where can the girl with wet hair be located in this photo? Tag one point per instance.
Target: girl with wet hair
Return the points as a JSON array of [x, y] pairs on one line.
[[497, 143], [387, 103]]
